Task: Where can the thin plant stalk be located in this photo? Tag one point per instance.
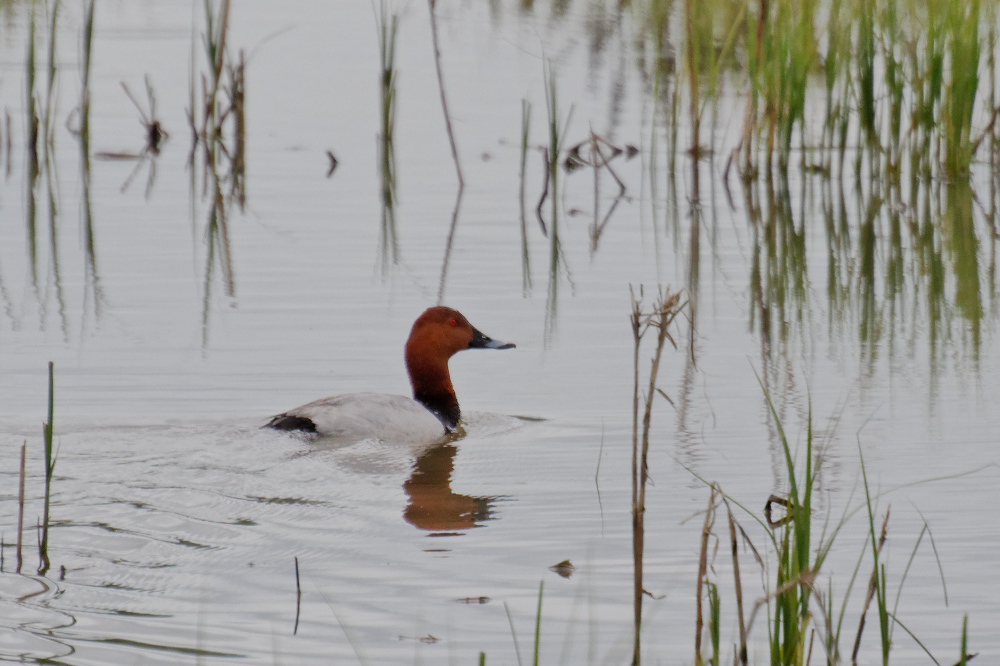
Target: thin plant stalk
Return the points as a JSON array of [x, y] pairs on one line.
[[665, 309], [706, 534], [50, 464], [513, 634], [877, 585], [538, 622], [741, 655], [20, 510]]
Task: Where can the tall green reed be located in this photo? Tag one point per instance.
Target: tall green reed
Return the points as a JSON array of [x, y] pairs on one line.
[[905, 75], [802, 616]]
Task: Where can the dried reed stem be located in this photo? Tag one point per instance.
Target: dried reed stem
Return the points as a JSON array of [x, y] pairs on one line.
[[298, 597], [742, 656], [662, 315], [706, 533], [20, 509]]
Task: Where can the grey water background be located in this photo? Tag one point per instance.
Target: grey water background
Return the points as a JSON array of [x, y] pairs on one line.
[[176, 521]]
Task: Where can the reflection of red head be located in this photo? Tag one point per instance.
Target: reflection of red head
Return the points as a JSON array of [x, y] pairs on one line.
[[432, 505]]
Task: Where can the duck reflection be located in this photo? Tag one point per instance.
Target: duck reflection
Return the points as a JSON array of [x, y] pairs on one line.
[[432, 505]]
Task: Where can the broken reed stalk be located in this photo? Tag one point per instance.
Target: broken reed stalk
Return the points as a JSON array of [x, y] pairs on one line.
[[20, 510], [665, 309]]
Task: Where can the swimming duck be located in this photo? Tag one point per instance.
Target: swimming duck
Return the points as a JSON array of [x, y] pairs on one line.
[[432, 412]]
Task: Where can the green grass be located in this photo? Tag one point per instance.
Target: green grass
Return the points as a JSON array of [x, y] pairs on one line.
[[906, 74]]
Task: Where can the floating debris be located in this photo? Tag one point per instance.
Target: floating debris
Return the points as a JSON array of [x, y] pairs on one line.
[[564, 568]]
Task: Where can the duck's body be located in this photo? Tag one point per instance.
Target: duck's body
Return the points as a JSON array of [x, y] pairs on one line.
[[356, 416], [433, 411]]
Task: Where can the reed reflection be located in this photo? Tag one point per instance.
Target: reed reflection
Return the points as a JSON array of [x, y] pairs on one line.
[[432, 505], [893, 270], [778, 278], [388, 27], [218, 146], [42, 191]]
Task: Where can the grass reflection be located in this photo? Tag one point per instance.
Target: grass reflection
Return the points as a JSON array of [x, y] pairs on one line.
[[42, 192], [891, 271], [778, 269]]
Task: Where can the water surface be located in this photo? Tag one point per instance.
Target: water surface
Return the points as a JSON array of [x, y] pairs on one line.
[[177, 522]]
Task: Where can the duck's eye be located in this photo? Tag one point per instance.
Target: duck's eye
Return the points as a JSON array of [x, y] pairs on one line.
[[453, 322]]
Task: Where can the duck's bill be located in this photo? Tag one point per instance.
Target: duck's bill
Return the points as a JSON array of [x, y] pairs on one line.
[[485, 342]]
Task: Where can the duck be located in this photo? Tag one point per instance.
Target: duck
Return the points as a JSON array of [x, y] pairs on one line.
[[430, 415]]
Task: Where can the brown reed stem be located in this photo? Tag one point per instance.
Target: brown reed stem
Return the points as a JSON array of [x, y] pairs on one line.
[[662, 315], [739, 588], [298, 597], [20, 509], [706, 533]]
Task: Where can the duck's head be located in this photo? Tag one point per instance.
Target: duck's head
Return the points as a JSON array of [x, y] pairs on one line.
[[436, 335], [441, 331]]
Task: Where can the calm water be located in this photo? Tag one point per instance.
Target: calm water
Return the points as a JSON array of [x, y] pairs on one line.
[[176, 521]]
